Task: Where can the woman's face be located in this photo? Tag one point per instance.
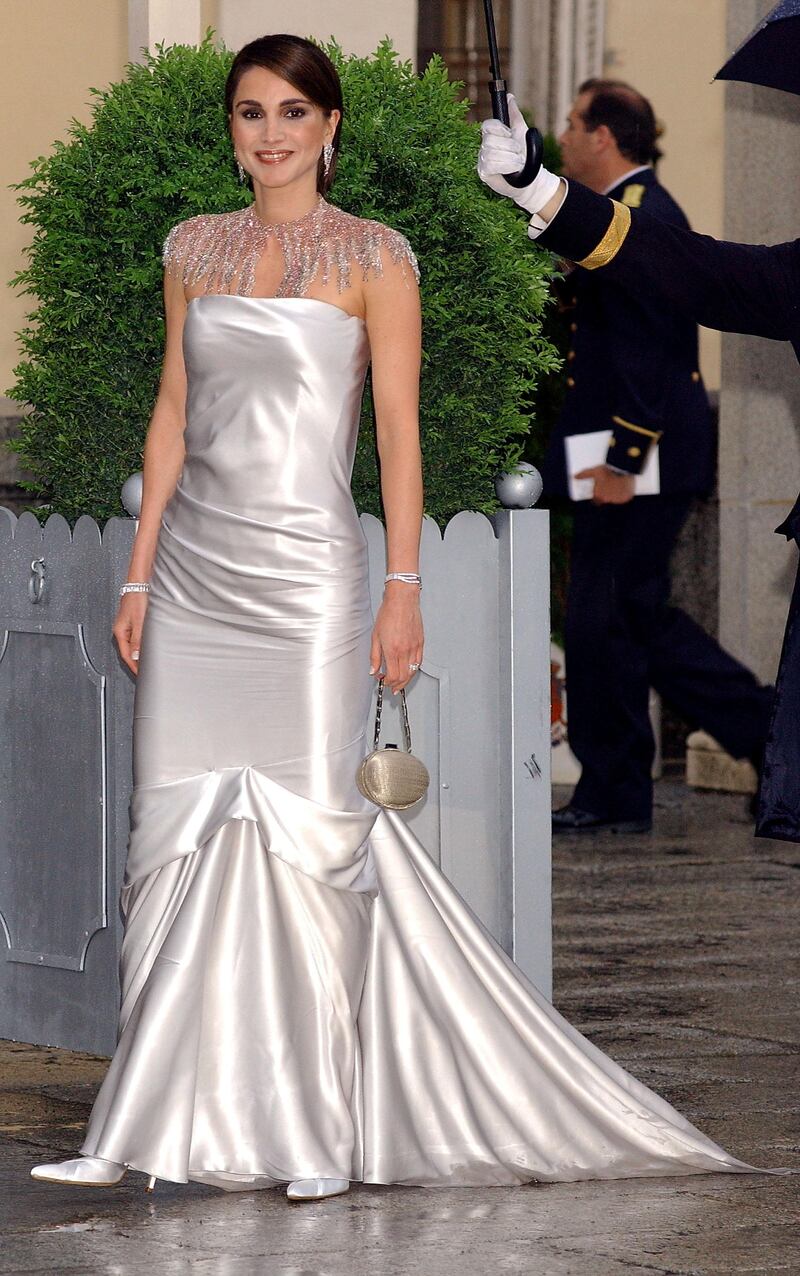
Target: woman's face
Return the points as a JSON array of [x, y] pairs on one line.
[[277, 132]]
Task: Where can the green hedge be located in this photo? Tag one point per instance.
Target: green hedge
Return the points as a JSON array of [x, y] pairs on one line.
[[158, 151]]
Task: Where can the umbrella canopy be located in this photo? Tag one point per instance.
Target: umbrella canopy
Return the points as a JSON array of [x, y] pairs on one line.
[[771, 53]]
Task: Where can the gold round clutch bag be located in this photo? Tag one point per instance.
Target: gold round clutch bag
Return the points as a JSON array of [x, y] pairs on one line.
[[392, 777]]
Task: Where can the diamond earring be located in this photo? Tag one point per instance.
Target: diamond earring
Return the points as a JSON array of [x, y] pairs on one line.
[[327, 157], [241, 172]]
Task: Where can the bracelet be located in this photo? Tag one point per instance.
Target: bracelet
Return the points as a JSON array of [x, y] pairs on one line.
[[135, 587], [408, 578]]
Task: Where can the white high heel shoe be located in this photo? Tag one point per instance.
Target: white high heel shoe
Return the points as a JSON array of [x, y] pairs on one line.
[[315, 1189], [85, 1171]]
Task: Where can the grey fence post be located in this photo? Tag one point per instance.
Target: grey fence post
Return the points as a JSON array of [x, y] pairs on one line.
[[524, 604]]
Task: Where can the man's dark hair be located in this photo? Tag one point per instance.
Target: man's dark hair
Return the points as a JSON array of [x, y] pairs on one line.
[[628, 116]]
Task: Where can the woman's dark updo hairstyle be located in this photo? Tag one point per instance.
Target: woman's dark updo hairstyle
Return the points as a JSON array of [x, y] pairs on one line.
[[307, 68]]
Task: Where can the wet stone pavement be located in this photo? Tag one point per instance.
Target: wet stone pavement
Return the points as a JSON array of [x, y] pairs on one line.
[[676, 953]]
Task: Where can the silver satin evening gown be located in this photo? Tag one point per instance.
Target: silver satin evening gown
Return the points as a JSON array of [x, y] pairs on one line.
[[303, 992]]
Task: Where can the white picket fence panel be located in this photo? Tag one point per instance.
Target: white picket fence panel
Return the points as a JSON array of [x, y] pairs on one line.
[[480, 713]]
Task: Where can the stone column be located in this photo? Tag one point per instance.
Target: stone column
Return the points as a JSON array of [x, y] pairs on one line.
[[759, 453], [152, 22], [554, 48]]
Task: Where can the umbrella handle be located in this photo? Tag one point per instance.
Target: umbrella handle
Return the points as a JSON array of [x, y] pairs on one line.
[[533, 138]]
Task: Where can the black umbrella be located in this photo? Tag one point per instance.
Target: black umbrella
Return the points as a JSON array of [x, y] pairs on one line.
[[771, 53], [498, 91]]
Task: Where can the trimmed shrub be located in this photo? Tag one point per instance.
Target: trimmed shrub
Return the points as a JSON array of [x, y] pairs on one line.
[[158, 151]]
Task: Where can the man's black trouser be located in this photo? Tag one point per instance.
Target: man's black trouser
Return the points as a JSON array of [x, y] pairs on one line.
[[623, 637]]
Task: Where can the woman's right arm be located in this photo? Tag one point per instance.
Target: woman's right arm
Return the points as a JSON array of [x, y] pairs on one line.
[[163, 461]]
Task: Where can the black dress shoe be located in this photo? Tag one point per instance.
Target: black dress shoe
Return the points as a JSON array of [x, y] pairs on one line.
[[571, 819]]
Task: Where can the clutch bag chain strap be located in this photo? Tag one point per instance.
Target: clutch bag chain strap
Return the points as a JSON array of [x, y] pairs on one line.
[[392, 777], [403, 717]]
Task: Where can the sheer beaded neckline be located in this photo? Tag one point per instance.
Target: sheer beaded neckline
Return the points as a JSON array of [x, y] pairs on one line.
[[220, 252]]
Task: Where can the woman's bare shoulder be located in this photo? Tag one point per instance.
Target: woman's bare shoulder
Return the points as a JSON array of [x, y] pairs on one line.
[[196, 235], [367, 240]]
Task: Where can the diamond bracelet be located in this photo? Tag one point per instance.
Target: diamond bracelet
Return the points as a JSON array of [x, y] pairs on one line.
[[408, 578], [135, 587]]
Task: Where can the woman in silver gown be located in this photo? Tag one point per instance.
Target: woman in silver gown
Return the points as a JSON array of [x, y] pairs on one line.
[[305, 999]]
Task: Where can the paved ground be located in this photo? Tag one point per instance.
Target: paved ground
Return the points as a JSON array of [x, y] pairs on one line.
[[676, 953]]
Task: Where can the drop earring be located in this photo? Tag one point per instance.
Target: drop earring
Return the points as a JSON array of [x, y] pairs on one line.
[[241, 172], [327, 157]]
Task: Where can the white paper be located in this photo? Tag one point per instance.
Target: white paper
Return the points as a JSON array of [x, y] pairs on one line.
[[583, 451]]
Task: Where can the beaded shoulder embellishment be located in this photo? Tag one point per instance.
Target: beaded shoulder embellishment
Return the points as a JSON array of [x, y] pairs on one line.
[[220, 251]]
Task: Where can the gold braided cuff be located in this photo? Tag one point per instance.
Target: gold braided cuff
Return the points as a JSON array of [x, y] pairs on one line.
[[639, 429], [612, 241]]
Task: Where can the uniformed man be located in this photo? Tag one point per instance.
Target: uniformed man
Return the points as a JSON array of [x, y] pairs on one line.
[[632, 372]]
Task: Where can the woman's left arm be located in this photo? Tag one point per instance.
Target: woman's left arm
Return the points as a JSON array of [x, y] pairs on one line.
[[394, 328]]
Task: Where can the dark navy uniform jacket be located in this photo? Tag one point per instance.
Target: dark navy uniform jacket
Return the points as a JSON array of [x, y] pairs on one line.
[[749, 288], [632, 368]]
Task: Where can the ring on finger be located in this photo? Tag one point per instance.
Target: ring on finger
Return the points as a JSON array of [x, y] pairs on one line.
[[413, 668]]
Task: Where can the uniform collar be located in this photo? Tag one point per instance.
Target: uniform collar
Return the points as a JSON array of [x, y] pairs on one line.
[[626, 177]]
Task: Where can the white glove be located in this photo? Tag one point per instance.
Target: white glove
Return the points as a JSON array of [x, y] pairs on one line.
[[503, 150]]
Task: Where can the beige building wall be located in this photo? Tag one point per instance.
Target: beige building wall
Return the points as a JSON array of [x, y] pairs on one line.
[[357, 26], [670, 50], [51, 53]]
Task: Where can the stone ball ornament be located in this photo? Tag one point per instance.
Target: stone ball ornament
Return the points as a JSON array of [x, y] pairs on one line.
[[520, 488], [131, 494]]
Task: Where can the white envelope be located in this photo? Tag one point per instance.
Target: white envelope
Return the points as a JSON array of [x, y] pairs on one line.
[[586, 450]]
